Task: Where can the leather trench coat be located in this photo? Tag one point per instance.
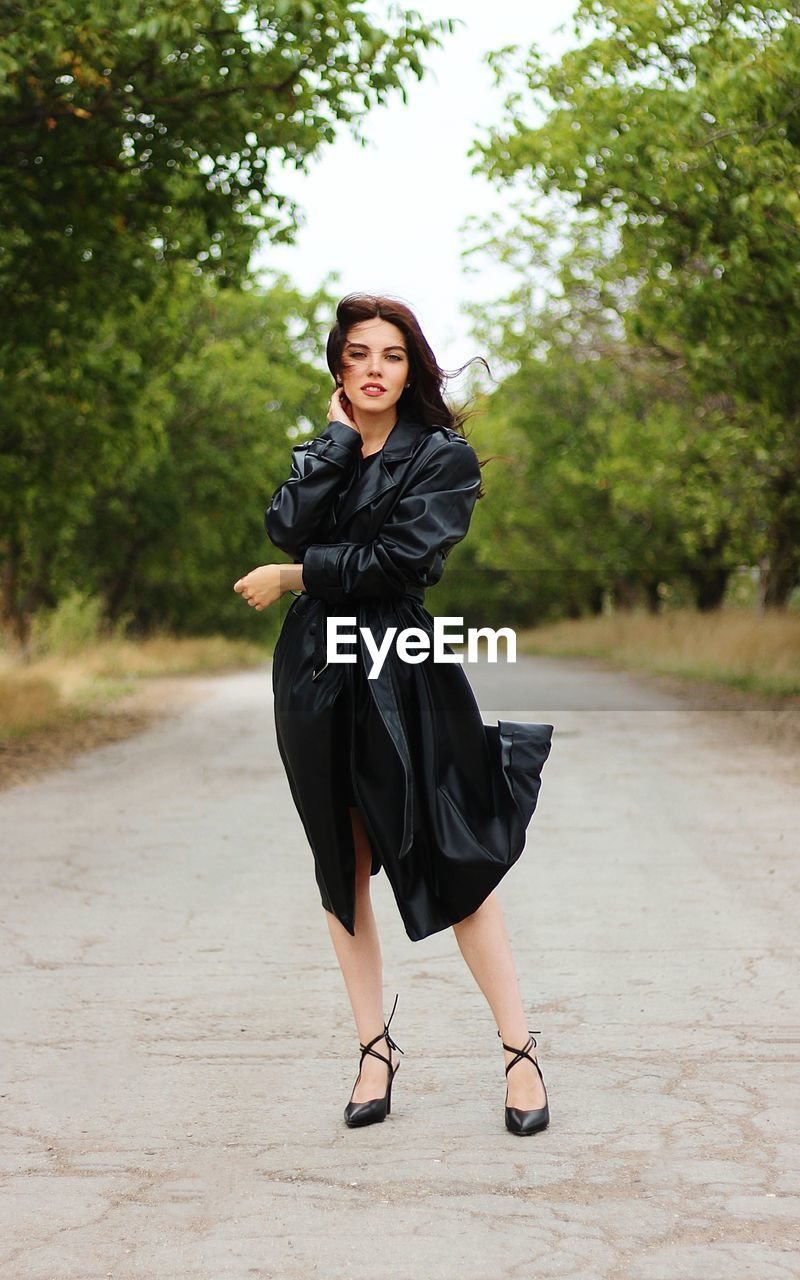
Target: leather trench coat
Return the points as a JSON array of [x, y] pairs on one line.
[[446, 800]]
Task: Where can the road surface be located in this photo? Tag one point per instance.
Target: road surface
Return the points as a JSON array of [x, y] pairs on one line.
[[179, 1047]]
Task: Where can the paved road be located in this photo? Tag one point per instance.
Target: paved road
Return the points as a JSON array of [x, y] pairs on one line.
[[179, 1044]]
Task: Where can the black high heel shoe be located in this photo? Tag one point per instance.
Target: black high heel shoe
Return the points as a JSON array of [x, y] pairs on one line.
[[525, 1122], [374, 1109]]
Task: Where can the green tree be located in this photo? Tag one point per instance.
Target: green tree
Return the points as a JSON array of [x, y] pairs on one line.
[[167, 539], [137, 140], [671, 138], [620, 481], [146, 131]]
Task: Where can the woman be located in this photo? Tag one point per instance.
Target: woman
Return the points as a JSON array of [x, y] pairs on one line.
[[397, 770]]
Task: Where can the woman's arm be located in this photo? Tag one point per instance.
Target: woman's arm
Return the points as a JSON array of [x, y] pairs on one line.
[[414, 542], [298, 507]]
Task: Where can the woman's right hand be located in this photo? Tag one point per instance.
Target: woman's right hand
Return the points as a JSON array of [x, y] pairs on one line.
[[337, 411]]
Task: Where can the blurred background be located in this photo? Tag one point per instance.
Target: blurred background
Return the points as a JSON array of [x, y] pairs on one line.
[[602, 199]]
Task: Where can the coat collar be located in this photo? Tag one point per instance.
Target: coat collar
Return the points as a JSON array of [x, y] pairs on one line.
[[403, 438], [365, 489]]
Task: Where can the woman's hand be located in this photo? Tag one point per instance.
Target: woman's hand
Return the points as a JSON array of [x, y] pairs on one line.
[[337, 411], [262, 586]]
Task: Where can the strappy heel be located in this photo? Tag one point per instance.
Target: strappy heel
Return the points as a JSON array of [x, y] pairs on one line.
[[525, 1122], [374, 1109]]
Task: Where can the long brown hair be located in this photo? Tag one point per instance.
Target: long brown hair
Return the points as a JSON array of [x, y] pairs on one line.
[[423, 399]]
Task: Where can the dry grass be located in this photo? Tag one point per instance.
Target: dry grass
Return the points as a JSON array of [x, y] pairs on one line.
[[57, 688], [734, 647], [27, 701]]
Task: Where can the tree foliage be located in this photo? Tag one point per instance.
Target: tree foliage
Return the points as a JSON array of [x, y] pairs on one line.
[[141, 151], [144, 132], [669, 140]]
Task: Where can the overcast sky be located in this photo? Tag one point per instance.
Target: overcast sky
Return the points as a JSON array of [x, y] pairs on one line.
[[388, 217]]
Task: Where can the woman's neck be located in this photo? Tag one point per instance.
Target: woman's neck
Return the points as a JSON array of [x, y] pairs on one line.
[[375, 429]]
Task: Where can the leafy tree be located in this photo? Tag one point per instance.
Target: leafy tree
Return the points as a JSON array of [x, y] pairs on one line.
[[137, 140], [167, 541], [672, 137], [621, 482], [84, 411], [146, 131]]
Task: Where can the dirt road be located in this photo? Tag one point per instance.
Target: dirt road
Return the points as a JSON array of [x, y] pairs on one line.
[[179, 1047]]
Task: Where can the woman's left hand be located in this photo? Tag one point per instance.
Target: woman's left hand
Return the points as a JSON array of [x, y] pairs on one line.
[[261, 587]]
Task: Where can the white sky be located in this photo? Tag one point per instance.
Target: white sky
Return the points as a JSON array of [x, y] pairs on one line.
[[388, 217]]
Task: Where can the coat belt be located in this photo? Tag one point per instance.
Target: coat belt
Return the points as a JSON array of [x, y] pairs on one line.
[[329, 609]]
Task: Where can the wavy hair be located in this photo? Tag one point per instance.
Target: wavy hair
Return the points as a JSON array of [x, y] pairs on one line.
[[423, 400]]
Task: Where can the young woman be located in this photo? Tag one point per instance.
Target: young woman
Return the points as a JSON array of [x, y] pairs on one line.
[[398, 770]]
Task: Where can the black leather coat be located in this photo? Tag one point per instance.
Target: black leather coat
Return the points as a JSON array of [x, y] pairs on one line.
[[446, 800]]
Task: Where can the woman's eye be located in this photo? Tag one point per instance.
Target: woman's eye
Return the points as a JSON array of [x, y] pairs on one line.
[[357, 355]]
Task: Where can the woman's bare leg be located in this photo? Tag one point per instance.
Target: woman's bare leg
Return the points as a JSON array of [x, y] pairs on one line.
[[484, 943], [360, 961]]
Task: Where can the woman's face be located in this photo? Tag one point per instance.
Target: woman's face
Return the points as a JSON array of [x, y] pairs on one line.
[[374, 355]]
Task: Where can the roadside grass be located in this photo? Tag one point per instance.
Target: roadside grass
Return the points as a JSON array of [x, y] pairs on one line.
[[74, 671], [737, 647]]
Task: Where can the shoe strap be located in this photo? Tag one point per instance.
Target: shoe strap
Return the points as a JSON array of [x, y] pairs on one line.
[[521, 1053], [383, 1035], [368, 1049], [386, 1026]]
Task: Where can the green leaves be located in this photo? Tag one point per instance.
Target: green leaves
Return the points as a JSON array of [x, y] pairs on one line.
[[674, 131], [152, 120], [142, 146]]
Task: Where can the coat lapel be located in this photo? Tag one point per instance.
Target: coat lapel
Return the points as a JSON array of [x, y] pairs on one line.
[[381, 475]]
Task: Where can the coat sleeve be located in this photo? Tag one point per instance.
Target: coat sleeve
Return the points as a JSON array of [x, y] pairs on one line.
[[298, 508], [430, 518]]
